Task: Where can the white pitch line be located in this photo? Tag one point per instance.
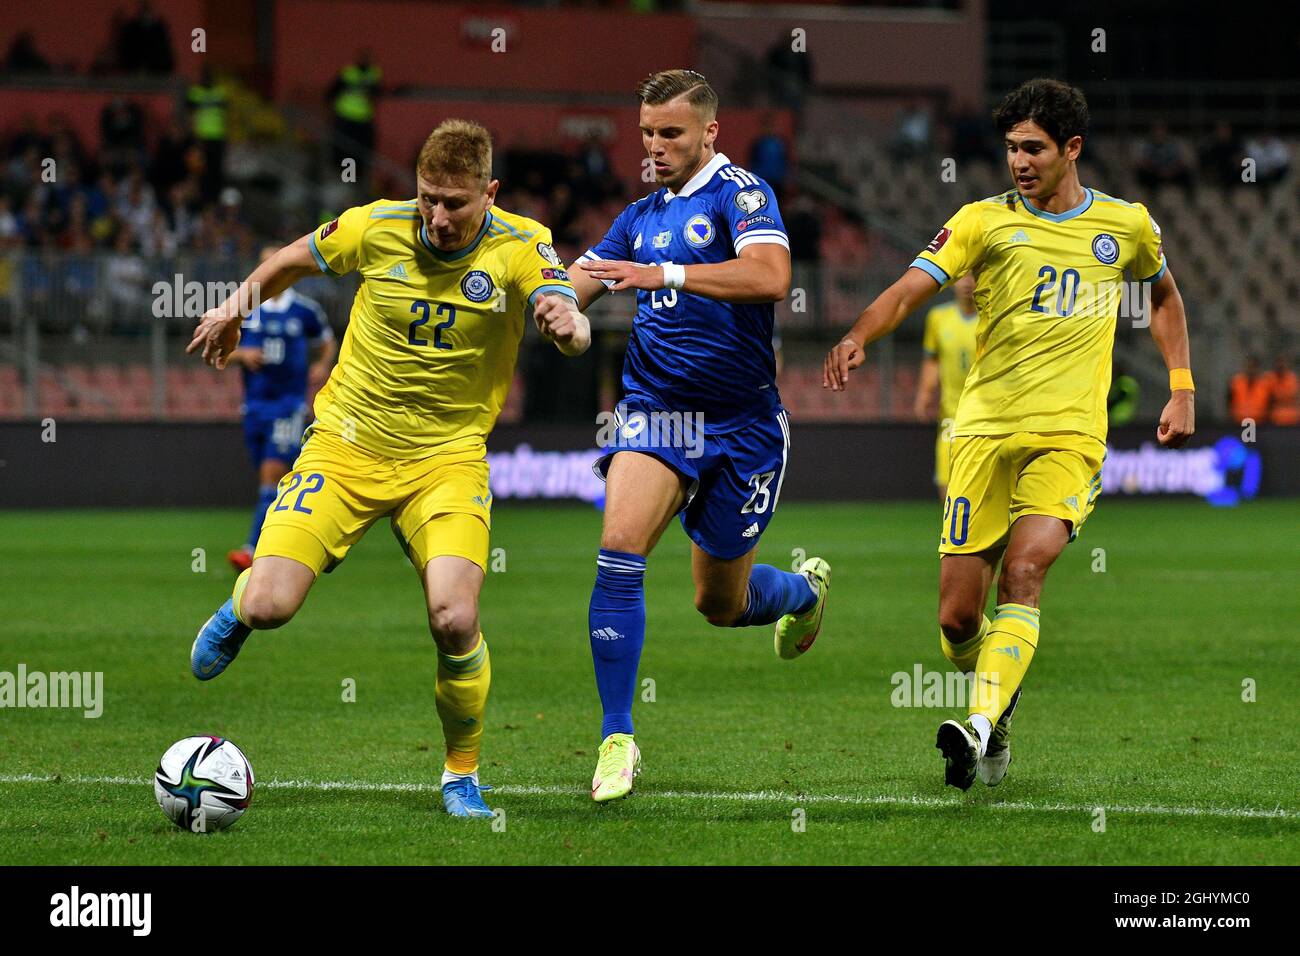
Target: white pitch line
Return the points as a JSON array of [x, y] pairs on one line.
[[756, 796]]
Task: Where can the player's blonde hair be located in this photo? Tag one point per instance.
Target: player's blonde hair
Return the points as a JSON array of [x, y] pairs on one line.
[[667, 85], [457, 148]]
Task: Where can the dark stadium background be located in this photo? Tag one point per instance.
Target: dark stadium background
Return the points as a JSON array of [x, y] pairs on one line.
[[853, 127]]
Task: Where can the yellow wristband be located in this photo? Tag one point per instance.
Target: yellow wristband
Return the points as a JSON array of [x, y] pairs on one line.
[[1181, 378]]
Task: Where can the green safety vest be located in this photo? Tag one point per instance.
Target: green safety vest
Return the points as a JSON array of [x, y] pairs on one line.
[[209, 105], [353, 102]]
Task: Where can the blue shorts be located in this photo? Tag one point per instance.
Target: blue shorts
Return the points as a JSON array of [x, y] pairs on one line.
[[735, 477], [274, 431]]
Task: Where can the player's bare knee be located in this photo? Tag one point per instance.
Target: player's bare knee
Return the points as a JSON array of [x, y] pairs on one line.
[[959, 623], [454, 625], [718, 610], [625, 542], [263, 609]]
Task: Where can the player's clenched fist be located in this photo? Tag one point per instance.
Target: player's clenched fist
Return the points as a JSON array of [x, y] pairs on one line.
[[1178, 420], [218, 334], [559, 320], [839, 362]]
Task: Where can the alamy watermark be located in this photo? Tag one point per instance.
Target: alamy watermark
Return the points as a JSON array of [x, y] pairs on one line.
[[624, 428], [78, 690], [950, 690]]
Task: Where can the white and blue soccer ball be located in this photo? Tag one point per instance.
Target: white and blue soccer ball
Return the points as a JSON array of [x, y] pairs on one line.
[[203, 783]]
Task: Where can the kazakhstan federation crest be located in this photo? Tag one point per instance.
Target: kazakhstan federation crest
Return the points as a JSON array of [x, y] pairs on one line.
[[1105, 248], [477, 286]]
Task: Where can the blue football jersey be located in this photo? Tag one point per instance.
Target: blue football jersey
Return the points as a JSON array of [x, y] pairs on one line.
[[689, 353], [282, 328]]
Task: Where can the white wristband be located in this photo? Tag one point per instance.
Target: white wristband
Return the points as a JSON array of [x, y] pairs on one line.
[[674, 275]]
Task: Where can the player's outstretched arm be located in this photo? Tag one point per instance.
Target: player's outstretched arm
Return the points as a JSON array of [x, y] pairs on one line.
[[588, 287], [880, 318], [759, 274], [218, 331], [558, 319], [1169, 329]]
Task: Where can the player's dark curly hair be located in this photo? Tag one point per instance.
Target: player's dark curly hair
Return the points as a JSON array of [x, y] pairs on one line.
[[1057, 107]]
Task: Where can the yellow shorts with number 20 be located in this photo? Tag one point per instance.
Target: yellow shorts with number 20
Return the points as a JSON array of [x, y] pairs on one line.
[[997, 478]]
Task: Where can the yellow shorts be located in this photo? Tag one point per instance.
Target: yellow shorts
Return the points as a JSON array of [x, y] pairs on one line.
[[943, 452], [997, 478], [337, 490]]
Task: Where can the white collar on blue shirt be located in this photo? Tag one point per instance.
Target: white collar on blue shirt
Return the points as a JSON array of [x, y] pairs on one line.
[[698, 181]]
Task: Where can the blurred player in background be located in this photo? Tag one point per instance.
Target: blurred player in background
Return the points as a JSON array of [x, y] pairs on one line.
[[1030, 431], [949, 345], [708, 257], [273, 350], [401, 425]]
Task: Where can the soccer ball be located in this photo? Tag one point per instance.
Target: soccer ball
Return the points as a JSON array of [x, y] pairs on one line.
[[203, 783]]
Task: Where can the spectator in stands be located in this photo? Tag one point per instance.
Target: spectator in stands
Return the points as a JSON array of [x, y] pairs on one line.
[[1284, 389], [208, 106], [1221, 158], [128, 282], [803, 226], [768, 156], [10, 235], [970, 135], [1249, 393], [1271, 156], [790, 74], [353, 99], [1161, 161], [136, 203], [144, 43], [911, 130], [24, 57], [596, 179], [171, 158], [121, 130]]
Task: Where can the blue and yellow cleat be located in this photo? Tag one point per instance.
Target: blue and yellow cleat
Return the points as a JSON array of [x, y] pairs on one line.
[[463, 797], [218, 643]]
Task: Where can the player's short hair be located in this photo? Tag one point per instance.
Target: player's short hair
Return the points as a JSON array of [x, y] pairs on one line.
[[457, 148], [667, 85], [1059, 108]]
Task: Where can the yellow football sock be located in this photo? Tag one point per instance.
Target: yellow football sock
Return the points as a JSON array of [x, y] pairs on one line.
[[461, 694], [241, 582], [964, 655], [1008, 648]]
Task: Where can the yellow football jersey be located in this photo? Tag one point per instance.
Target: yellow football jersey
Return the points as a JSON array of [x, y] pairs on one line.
[[1048, 289], [430, 348], [950, 338]]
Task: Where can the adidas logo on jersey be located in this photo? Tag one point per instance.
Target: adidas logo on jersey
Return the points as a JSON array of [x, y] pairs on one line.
[[1019, 236], [750, 531], [1073, 502], [398, 272], [606, 634]]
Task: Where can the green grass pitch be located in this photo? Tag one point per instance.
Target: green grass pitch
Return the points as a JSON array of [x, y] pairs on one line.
[[1134, 703]]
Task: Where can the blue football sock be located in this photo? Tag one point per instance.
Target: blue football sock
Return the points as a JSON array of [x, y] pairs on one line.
[[265, 496], [774, 593], [616, 624]]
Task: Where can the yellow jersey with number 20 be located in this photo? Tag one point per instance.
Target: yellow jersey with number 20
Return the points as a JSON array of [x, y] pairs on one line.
[[1048, 289], [432, 339]]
